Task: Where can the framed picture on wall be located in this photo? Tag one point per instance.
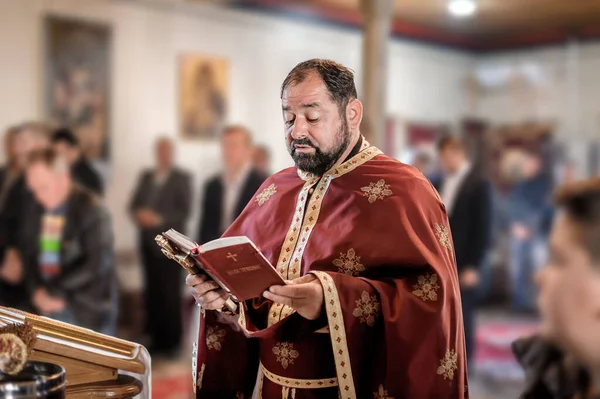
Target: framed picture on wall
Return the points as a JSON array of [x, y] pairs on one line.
[[203, 87], [77, 82]]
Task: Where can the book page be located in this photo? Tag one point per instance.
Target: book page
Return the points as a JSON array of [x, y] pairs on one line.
[[224, 243]]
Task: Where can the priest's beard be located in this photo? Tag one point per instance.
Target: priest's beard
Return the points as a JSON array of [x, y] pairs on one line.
[[320, 162]]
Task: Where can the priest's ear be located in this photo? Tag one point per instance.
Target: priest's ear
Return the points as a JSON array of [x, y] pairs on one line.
[[354, 114]]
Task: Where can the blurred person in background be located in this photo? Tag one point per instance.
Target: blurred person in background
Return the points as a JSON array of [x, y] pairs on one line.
[[67, 145], [161, 201], [11, 291], [227, 194], [563, 361], [468, 200], [20, 142], [423, 162], [262, 160], [529, 212], [67, 248]]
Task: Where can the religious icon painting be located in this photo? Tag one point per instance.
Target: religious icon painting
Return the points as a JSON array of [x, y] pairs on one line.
[[203, 87], [77, 82]]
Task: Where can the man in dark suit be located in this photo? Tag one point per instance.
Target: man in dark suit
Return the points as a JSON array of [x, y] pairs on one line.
[[467, 197], [67, 248], [227, 194], [66, 144], [161, 201]]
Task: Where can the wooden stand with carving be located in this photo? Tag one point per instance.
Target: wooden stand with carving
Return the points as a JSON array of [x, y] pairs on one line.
[[92, 361]]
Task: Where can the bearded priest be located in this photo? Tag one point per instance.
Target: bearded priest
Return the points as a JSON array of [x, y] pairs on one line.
[[371, 308]]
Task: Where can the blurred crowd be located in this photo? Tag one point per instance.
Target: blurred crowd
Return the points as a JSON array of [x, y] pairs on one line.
[[57, 249], [56, 235]]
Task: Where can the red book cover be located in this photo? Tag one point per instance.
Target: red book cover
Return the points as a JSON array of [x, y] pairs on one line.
[[235, 263]]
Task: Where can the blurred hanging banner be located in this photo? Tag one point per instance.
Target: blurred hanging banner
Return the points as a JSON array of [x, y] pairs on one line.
[[203, 87], [77, 82]]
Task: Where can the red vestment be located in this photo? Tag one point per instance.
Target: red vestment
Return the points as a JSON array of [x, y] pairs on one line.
[[375, 233]]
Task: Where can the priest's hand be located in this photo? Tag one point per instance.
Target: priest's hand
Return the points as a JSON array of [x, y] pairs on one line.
[[207, 293], [304, 294]]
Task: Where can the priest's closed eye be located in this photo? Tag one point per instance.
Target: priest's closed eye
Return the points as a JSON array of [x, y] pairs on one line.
[[312, 120]]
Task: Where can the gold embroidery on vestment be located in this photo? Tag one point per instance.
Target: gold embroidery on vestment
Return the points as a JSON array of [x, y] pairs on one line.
[[427, 287], [215, 337], [377, 191], [381, 394], [285, 353], [448, 365], [198, 380], [349, 263], [299, 383], [266, 194], [367, 308], [442, 233], [337, 332]]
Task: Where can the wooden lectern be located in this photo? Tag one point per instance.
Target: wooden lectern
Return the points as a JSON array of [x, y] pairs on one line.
[[97, 366]]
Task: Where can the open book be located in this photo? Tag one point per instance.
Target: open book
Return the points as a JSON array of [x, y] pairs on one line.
[[235, 263]]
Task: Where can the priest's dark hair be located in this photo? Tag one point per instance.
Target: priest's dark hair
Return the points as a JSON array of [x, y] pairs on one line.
[[338, 79], [581, 202]]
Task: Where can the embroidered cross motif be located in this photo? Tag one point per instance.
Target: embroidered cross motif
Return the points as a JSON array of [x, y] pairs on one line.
[[215, 337], [349, 263], [266, 194], [381, 394], [448, 365], [377, 191], [441, 231], [285, 353], [427, 287], [367, 308]]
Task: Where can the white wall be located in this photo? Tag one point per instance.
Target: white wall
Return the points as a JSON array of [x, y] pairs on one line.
[[425, 83], [558, 84]]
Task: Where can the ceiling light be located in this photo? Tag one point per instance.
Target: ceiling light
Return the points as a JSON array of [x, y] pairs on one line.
[[462, 8]]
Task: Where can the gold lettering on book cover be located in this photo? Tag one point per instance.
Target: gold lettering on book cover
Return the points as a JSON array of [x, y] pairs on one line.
[[266, 194], [215, 337], [448, 365], [349, 263], [367, 308], [427, 287], [285, 353], [337, 332], [381, 394], [377, 191], [443, 235]]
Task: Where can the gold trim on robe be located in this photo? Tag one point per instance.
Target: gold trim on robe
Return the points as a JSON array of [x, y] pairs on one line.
[[299, 383], [290, 267], [337, 331]]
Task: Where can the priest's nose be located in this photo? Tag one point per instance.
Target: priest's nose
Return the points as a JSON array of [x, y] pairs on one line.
[[300, 129]]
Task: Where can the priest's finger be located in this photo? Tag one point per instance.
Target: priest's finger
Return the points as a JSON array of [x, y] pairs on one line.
[[205, 287], [218, 302], [302, 280], [291, 291], [192, 280], [213, 295], [284, 300]]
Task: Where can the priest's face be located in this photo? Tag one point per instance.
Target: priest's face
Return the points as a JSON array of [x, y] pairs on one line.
[[316, 131], [569, 299]]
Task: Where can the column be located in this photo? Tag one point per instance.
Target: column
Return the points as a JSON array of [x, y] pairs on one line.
[[377, 17]]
